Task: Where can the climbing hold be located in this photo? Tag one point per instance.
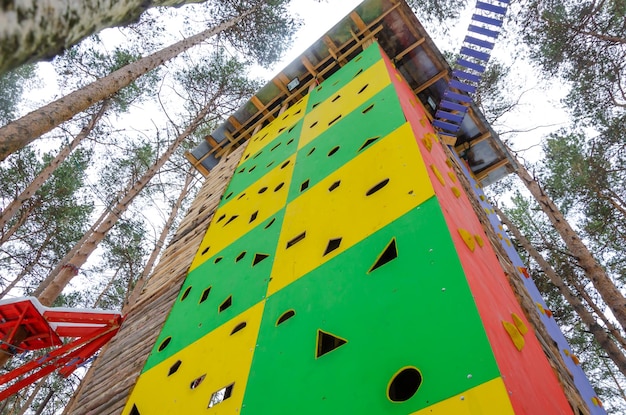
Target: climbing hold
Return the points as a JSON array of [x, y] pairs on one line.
[[516, 336], [468, 239], [456, 192], [428, 143], [524, 271], [519, 324], [452, 176], [438, 174], [596, 401], [479, 241]]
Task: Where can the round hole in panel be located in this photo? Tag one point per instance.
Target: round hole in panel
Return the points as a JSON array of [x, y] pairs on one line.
[[404, 384]]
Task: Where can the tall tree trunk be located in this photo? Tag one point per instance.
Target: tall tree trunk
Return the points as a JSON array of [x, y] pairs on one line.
[[143, 278], [13, 207], [32, 396], [33, 32], [96, 303], [62, 264], [16, 225], [71, 263], [617, 335], [45, 402], [587, 318], [611, 295], [22, 131]]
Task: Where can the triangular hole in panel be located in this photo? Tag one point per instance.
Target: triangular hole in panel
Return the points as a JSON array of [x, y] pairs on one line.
[[368, 142], [327, 342], [389, 254], [134, 411], [258, 258], [232, 218]]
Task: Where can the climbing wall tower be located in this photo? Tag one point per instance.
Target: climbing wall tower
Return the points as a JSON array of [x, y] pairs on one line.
[[345, 270], [350, 264]]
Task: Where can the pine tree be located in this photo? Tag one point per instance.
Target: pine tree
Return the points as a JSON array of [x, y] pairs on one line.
[[227, 86], [133, 294], [12, 86], [258, 27], [48, 223], [596, 273], [584, 42]]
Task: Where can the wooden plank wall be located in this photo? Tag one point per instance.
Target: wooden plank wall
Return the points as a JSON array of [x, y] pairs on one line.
[[108, 383]]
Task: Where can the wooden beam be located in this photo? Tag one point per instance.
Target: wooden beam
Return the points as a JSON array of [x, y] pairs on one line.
[[472, 142], [257, 103], [367, 38], [430, 82], [447, 139], [211, 141], [196, 164], [409, 49], [484, 173], [309, 67], [234, 122], [355, 37], [358, 21], [281, 85], [332, 48]]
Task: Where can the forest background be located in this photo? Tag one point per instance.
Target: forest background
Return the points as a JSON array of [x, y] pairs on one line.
[[103, 184]]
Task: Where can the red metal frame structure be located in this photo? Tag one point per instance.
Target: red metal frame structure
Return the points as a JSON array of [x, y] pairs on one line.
[[26, 325]]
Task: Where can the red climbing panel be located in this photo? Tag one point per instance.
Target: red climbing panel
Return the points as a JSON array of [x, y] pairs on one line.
[[496, 302]]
